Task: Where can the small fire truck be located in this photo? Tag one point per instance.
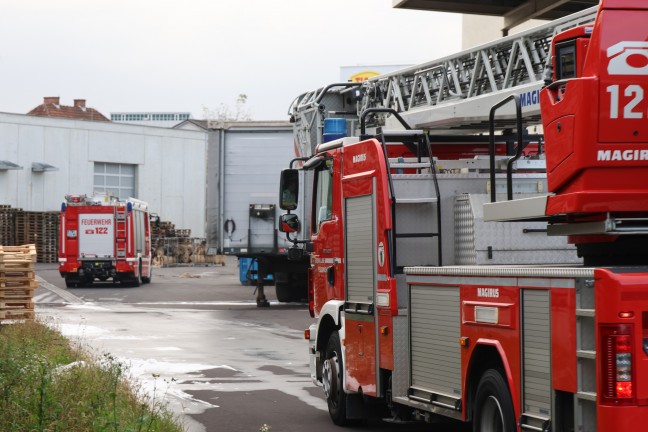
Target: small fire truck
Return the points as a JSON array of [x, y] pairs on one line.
[[497, 278], [104, 238]]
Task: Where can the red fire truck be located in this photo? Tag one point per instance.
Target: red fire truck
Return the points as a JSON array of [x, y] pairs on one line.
[[435, 287], [104, 238]]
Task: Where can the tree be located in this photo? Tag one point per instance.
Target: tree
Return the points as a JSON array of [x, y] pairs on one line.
[[224, 113]]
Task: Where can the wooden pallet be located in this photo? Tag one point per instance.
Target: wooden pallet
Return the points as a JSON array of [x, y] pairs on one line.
[[14, 253], [11, 275], [17, 265], [17, 293], [25, 249], [24, 283], [16, 314], [16, 304]]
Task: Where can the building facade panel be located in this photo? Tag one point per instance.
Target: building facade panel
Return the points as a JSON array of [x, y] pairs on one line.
[[169, 165]]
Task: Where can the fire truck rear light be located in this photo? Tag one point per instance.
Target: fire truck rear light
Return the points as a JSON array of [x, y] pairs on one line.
[[617, 356], [626, 315], [624, 390], [307, 334], [644, 334]]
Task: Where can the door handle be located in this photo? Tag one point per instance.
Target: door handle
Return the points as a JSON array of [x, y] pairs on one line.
[[330, 275]]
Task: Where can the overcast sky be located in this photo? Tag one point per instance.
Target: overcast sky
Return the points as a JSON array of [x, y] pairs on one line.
[[145, 55]]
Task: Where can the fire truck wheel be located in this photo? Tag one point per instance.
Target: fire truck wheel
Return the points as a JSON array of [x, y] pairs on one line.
[[493, 410], [134, 280], [332, 369], [147, 279]]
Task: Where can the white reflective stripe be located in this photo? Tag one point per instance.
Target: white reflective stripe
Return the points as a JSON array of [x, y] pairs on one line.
[[500, 271], [63, 233], [132, 259], [127, 226], [503, 281], [334, 260], [62, 259]]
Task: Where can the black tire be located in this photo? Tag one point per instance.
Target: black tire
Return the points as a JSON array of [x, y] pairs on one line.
[[493, 408], [137, 280], [332, 370], [147, 279], [283, 291]]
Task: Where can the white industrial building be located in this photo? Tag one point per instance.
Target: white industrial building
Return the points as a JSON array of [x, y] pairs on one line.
[[42, 159]]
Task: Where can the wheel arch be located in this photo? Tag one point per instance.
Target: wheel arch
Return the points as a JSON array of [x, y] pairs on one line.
[[487, 355], [326, 327], [331, 319]]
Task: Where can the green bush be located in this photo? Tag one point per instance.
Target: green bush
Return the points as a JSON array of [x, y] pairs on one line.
[[46, 385]]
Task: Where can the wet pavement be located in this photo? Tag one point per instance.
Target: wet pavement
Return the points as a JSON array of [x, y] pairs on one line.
[[195, 340]]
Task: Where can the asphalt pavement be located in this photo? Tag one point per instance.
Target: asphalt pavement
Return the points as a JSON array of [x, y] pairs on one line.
[[195, 340]]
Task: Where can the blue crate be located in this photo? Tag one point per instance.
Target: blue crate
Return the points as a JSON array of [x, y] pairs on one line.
[[244, 267]]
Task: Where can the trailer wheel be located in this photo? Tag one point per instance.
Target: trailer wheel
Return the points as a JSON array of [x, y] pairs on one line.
[[332, 370], [493, 409], [283, 291]]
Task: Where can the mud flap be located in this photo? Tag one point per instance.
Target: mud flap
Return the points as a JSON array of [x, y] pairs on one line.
[[355, 409]]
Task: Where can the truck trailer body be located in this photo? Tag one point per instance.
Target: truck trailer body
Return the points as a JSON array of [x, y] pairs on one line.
[[244, 219]]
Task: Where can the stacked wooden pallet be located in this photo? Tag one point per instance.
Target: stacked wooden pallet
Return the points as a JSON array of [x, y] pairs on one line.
[[40, 229], [172, 246], [164, 230], [8, 224], [183, 251], [185, 233], [17, 282], [47, 242]]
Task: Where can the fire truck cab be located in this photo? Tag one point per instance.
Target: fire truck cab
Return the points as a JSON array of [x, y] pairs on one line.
[[104, 238]]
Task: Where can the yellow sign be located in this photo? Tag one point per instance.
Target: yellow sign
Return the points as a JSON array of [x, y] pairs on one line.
[[363, 76]]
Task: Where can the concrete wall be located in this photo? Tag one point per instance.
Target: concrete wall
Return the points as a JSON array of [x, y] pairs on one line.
[[171, 164], [481, 29]]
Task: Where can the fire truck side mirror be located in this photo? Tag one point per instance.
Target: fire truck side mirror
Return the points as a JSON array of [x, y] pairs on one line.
[[289, 189], [289, 223]]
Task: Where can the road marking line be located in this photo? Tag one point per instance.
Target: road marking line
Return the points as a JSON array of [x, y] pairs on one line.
[[65, 295]]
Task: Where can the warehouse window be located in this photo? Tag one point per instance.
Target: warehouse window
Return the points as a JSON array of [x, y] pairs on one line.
[[116, 179]]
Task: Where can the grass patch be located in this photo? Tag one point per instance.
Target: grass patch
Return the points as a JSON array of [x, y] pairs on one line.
[[47, 385]]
